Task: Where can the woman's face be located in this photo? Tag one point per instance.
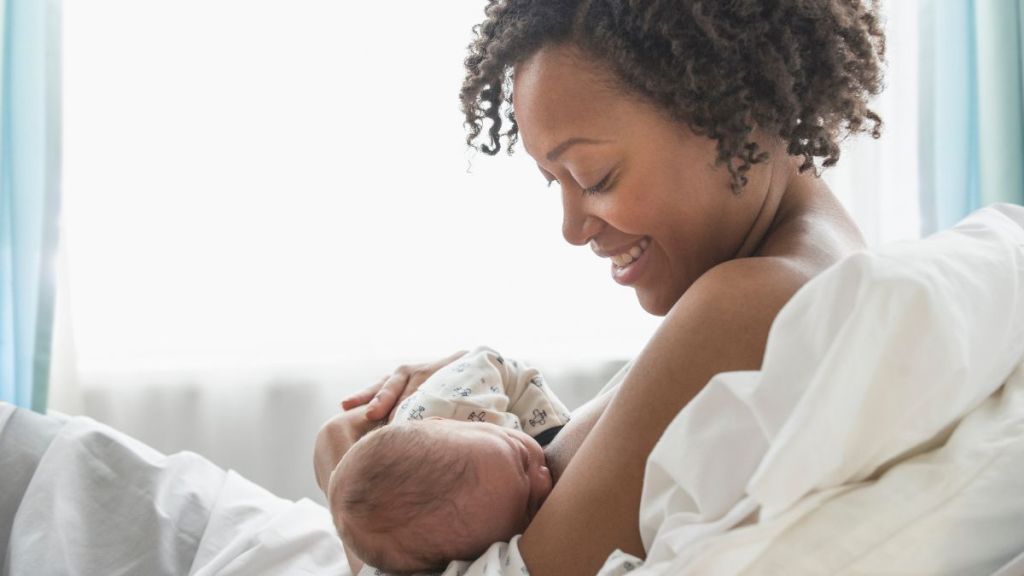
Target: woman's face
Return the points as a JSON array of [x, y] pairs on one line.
[[640, 188]]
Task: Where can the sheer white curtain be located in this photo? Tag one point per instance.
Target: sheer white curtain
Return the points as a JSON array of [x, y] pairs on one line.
[[269, 203], [266, 181], [877, 180]]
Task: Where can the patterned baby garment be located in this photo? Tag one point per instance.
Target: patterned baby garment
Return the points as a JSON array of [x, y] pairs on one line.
[[483, 386]]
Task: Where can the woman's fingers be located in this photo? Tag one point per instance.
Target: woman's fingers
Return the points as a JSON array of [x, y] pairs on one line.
[[363, 396], [421, 372], [387, 397], [384, 396]]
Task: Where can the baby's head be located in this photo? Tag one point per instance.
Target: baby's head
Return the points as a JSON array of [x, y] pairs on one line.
[[414, 495]]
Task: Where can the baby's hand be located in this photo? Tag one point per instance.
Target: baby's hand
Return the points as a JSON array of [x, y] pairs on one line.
[[389, 392]]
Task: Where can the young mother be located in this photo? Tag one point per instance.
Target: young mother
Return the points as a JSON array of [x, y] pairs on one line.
[[685, 138]]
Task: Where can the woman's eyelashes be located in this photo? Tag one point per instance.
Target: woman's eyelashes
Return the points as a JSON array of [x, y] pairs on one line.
[[595, 189], [599, 187]]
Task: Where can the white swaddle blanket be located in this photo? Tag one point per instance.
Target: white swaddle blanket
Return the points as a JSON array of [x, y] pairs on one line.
[[877, 437]]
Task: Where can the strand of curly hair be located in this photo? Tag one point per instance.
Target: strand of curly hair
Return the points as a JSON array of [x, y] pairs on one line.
[[803, 70]]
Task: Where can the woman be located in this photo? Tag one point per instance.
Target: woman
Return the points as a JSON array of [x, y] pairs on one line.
[[684, 136]]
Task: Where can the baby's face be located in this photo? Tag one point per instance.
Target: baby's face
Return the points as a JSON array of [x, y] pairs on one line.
[[513, 478]]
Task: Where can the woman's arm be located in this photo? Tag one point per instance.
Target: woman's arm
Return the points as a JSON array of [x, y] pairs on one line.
[[335, 438], [720, 324]]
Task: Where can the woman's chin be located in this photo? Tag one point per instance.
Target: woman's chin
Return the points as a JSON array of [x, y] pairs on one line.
[[653, 304]]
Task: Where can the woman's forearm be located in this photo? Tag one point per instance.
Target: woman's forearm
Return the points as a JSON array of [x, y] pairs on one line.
[[335, 438]]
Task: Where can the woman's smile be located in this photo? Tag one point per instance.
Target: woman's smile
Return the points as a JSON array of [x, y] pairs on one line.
[[628, 262], [632, 265]]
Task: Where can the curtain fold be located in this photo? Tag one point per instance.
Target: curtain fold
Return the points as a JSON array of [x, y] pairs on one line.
[[971, 113], [30, 136], [1000, 128]]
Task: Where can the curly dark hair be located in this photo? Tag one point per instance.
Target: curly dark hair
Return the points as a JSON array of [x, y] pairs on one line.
[[800, 69]]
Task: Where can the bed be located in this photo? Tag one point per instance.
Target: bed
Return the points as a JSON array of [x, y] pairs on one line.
[[883, 434], [79, 497]]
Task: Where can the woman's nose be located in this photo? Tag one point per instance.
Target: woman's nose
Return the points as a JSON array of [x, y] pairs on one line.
[[578, 224]]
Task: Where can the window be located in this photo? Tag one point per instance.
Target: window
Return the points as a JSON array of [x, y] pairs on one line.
[[266, 181]]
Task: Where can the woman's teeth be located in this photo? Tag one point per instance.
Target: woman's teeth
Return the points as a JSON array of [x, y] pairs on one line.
[[626, 258]]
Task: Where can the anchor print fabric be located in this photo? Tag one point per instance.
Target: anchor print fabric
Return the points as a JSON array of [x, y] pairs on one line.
[[484, 386]]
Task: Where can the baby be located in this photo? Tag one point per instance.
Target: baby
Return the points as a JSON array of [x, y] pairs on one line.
[[460, 467]]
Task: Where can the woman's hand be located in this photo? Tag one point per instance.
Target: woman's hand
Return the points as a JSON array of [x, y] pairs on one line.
[[391, 390]]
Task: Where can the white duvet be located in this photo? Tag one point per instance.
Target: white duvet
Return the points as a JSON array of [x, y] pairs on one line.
[[884, 435]]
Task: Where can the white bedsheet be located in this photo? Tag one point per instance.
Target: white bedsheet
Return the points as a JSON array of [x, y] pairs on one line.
[[878, 438], [101, 502]]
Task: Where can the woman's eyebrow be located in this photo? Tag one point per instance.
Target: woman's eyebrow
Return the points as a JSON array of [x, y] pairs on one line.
[[561, 148]]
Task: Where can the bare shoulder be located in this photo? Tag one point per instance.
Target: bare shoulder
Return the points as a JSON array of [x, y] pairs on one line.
[[814, 233], [737, 300], [747, 280]]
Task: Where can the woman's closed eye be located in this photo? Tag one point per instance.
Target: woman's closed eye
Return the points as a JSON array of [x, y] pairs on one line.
[[599, 187], [595, 189]]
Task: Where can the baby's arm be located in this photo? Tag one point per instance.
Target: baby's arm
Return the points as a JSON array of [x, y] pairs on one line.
[[530, 398]]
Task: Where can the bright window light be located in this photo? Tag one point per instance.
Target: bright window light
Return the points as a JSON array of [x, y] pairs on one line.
[[286, 181]]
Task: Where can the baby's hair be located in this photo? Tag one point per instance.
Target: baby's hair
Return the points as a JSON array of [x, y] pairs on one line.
[[395, 477], [802, 70]]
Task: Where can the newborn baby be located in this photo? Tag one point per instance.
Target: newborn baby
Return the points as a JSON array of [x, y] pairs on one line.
[[460, 467]]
